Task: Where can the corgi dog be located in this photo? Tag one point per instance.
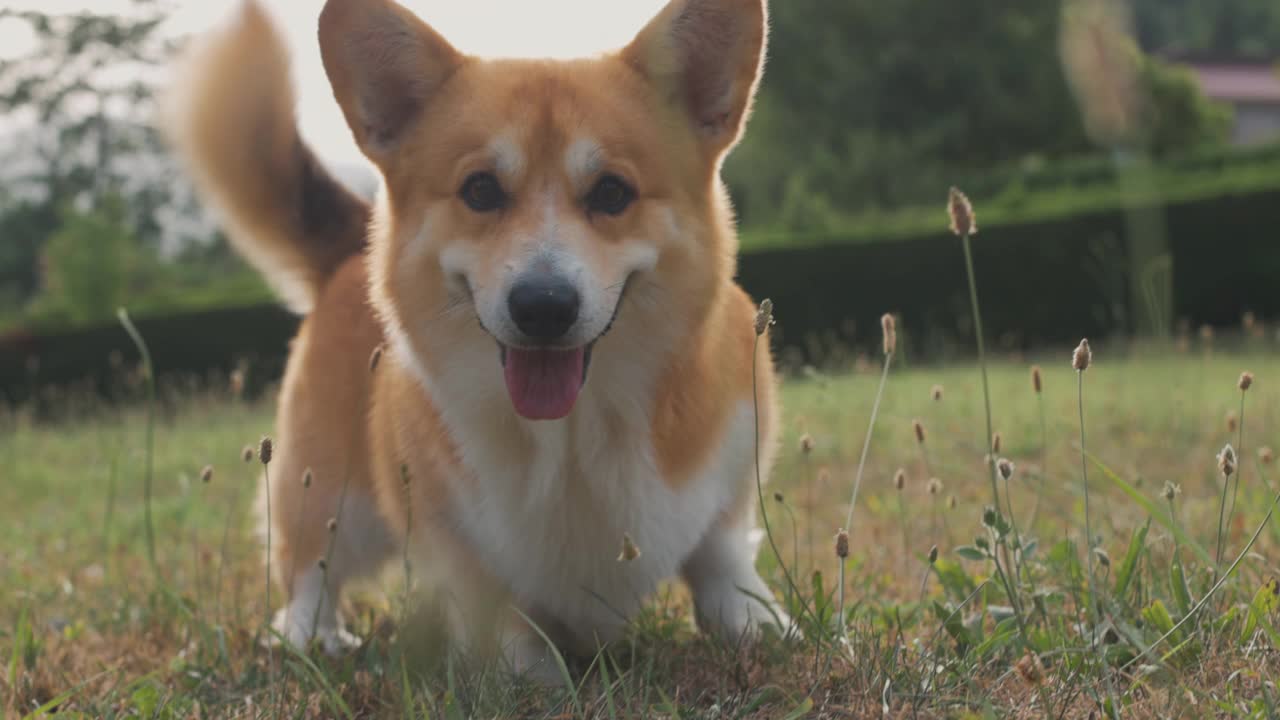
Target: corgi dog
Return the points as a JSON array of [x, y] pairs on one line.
[[549, 263]]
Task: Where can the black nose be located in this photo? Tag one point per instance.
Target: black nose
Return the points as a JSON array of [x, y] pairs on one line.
[[543, 309]]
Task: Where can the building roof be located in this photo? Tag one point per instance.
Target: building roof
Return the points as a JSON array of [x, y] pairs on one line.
[[1255, 83]]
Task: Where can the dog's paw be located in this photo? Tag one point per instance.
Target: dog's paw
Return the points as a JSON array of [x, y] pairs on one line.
[[298, 632], [740, 616]]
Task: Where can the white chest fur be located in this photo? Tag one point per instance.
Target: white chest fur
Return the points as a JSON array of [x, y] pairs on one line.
[[551, 525]]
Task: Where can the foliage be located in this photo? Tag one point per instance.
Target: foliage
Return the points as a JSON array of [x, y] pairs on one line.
[[870, 106]]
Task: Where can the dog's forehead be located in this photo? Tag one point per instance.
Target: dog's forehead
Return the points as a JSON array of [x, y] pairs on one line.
[[574, 113]]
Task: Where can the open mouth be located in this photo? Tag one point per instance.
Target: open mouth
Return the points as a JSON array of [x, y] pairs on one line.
[[544, 382]]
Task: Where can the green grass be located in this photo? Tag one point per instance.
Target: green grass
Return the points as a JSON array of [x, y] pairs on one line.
[[85, 627]]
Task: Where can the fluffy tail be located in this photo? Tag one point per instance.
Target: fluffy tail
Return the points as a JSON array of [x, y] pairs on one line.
[[230, 117]]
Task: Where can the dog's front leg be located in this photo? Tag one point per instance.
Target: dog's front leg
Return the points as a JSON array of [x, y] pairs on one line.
[[731, 599]]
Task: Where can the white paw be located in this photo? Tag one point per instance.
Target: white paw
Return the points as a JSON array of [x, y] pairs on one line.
[[528, 657], [298, 632], [736, 615]]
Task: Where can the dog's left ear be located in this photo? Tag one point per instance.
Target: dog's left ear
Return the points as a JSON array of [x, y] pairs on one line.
[[706, 55]]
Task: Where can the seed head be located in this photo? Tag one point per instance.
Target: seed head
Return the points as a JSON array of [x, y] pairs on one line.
[[935, 486], [996, 442], [332, 525], [951, 502], [989, 516], [842, 544], [1171, 491], [1227, 461], [1082, 357], [918, 427], [1037, 383], [1030, 670], [889, 328], [936, 393], [806, 443], [777, 497], [236, 383], [404, 474], [629, 550], [247, 454], [900, 479], [963, 221], [1246, 381], [1103, 557], [824, 476], [264, 450], [375, 357], [322, 564], [206, 475], [1266, 455], [764, 316], [1233, 421], [306, 478], [1005, 468]]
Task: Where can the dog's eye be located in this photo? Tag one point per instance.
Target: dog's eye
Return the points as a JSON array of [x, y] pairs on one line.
[[610, 196], [482, 192]]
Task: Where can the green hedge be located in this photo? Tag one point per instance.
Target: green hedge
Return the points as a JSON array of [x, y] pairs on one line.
[[1048, 282]]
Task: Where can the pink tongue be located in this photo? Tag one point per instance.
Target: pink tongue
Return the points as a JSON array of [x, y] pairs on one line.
[[544, 383]]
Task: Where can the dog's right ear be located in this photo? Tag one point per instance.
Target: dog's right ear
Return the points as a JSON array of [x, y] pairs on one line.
[[384, 65]]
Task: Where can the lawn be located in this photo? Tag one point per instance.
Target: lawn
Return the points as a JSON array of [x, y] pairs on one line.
[[88, 625]]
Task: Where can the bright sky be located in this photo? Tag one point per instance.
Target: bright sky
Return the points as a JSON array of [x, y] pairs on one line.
[[511, 28]]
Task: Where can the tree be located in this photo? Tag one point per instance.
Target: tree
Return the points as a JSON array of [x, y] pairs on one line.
[[80, 104]]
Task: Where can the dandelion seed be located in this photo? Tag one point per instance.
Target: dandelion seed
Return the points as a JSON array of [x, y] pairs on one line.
[[918, 427], [1082, 358], [264, 450], [889, 328], [1246, 381], [206, 475], [629, 550], [1005, 467], [806, 443], [1037, 383], [1266, 455], [900, 479], [1227, 461], [375, 357], [247, 454], [306, 478], [952, 502], [842, 544], [995, 443], [764, 316], [332, 525], [1171, 491], [936, 393], [935, 486], [960, 210], [1233, 421], [1030, 670]]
